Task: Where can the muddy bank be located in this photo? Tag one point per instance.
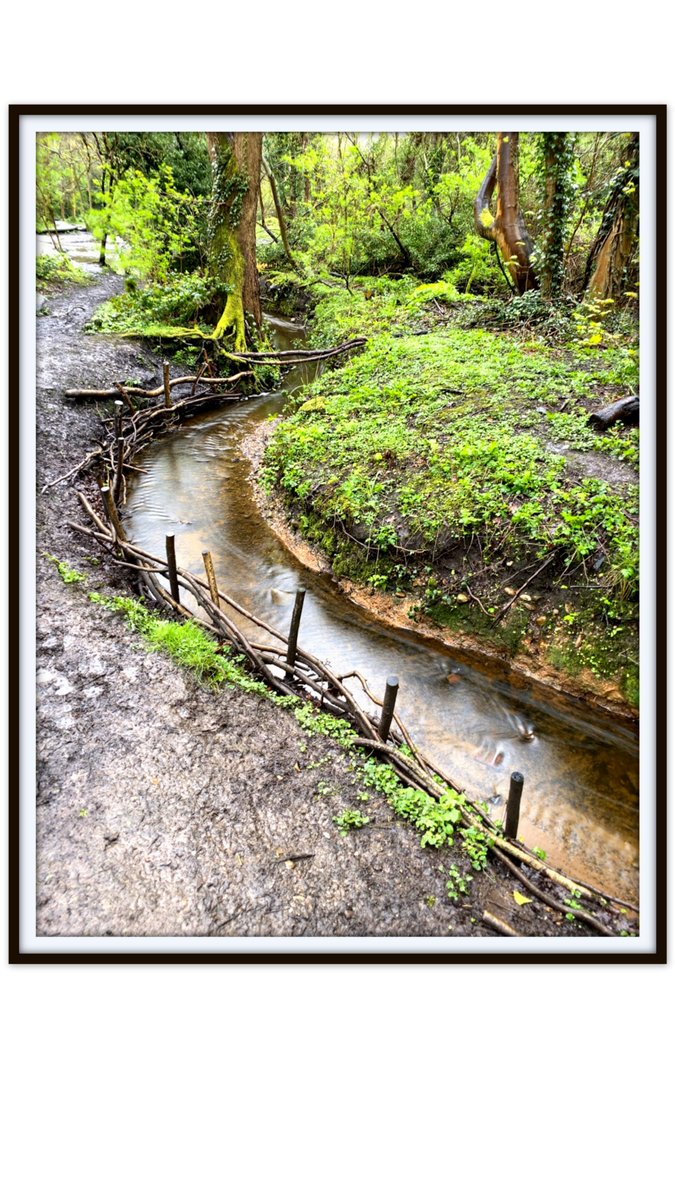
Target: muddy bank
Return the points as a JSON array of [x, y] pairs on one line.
[[165, 809], [526, 670]]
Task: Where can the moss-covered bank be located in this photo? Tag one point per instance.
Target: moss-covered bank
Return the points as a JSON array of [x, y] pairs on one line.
[[452, 462]]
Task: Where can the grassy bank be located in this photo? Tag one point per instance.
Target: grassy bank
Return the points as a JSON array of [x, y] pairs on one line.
[[452, 461]]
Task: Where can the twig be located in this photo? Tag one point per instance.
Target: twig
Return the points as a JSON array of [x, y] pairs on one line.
[[478, 602], [503, 611], [89, 458]]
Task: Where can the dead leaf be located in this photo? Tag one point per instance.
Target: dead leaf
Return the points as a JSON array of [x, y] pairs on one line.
[[521, 899]]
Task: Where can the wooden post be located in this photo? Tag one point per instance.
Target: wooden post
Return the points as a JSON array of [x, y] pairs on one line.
[[119, 469], [292, 647], [167, 384], [513, 805], [388, 704], [211, 576], [119, 405], [112, 514], [129, 402], [171, 563]]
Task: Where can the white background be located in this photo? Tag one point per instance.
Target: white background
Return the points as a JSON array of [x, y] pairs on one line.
[[321, 1081]]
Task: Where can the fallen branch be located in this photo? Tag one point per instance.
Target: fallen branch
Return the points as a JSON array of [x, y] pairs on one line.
[[149, 393], [499, 926], [627, 411]]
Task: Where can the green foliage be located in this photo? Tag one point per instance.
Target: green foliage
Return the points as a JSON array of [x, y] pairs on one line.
[[477, 843], [156, 227], [179, 300], [188, 644], [457, 884], [63, 178], [53, 270], [417, 440], [310, 718], [350, 818], [68, 574]]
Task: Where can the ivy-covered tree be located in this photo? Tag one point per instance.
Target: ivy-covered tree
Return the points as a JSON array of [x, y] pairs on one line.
[[235, 165], [507, 229], [556, 185], [611, 253]]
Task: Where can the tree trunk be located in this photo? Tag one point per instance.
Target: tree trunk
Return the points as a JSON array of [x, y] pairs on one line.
[[613, 247], [280, 214], [558, 159], [235, 164], [508, 227]]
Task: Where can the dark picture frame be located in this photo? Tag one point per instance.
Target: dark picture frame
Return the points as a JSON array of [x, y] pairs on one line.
[[653, 342]]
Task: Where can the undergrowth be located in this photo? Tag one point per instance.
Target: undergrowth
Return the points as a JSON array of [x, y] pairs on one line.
[[54, 270], [470, 449]]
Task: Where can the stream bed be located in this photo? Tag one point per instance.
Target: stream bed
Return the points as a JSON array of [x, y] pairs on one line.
[[580, 800]]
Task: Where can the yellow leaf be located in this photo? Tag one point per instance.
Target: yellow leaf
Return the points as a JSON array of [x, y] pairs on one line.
[[486, 218], [521, 899]]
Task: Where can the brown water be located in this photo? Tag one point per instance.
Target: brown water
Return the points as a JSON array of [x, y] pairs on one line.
[[580, 800]]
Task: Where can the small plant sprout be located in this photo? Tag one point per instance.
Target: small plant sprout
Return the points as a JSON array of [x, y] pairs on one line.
[[350, 818]]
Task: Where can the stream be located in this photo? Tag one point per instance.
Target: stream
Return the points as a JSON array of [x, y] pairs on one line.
[[580, 800]]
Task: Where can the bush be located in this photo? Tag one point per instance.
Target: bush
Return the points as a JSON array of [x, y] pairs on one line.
[[57, 269]]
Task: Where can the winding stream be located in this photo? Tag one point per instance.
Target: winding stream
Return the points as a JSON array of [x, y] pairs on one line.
[[580, 801]]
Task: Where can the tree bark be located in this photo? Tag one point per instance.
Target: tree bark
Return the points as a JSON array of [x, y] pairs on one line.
[[613, 247], [235, 164], [507, 228]]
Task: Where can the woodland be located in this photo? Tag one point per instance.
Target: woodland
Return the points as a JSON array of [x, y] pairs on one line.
[[464, 464], [496, 277]]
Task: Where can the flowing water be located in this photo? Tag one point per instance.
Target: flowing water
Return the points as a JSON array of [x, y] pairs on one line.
[[581, 775]]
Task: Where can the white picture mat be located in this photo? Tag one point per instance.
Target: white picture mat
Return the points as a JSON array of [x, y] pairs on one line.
[[29, 942]]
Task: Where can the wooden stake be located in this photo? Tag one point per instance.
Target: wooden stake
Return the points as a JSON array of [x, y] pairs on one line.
[[388, 705], [167, 384], [112, 514], [127, 398], [119, 469], [211, 576], [513, 805], [171, 563], [119, 405], [292, 647]]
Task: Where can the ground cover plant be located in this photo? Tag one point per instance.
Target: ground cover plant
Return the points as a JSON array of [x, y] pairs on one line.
[[456, 462]]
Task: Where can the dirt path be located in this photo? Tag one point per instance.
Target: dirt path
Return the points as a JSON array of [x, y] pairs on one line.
[[166, 809]]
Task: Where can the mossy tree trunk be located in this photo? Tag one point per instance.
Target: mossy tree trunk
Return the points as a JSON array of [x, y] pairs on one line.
[[507, 228], [613, 248], [235, 164]]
